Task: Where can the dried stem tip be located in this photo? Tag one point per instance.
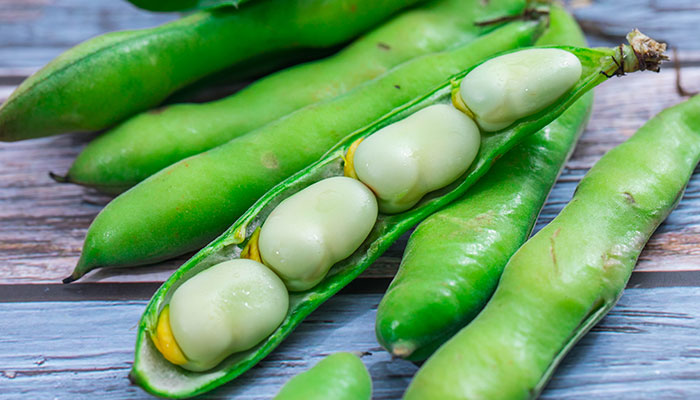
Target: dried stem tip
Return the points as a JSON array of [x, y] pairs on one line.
[[648, 52]]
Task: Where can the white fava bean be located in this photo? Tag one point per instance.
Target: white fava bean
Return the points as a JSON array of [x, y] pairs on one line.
[[224, 309], [421, 153], [315, 228], [515, 85]]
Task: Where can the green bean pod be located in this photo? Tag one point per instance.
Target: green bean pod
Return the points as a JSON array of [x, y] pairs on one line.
[[158, 376], [111, 77], [149, 142], [570, 274], [455, 257], [340, 376], [188, 204]]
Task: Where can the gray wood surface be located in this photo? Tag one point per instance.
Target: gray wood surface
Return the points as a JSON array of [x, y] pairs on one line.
[[33, 32], [60, 348], [83, 350]]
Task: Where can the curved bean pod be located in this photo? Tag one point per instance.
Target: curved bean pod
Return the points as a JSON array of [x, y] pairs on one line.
[[158, 376], [571, 273], [455, 257], [188, 204], [149, 142], [111, 77], [340, 376]]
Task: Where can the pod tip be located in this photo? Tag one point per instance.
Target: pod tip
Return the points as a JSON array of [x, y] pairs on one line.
[[70, 279], [403, 350], [133, 379], [59, 178]]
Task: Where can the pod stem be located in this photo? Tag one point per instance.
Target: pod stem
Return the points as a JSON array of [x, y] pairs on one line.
[[641, 54]]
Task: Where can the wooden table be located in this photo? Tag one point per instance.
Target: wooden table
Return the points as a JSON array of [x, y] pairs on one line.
[[76, 341]]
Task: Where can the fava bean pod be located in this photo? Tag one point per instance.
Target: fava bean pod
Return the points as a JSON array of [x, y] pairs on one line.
[[558, 286], [146, 143], [190, 203], [161, 377], [340, 376], [111, 77]]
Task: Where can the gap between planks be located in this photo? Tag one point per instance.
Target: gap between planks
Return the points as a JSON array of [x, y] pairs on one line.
[[144, 290], [645, 348]]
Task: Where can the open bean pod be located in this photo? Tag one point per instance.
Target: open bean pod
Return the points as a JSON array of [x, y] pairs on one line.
[[158, 376]]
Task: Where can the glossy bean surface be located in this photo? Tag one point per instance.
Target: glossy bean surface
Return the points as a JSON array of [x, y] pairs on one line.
[[312, 230], [228, 308], [507, 88], [424, 152]]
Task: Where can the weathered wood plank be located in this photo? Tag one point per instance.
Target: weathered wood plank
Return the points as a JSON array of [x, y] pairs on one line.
[[607, 21], [33, 32], [42, 224], [645, 349]]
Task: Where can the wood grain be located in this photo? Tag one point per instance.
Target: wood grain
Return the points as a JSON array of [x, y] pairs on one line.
[[43, 224], [645, 349], [607, 21], [76, 350], [33, 32]]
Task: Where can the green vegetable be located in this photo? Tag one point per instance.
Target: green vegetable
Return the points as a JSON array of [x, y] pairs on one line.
[[188, 204], [505, 90], [422, 153], [226, 309], [569, 275], [340, 376], [149, 142], [315, 228], [455, 257], [158, 376], [111, 77]]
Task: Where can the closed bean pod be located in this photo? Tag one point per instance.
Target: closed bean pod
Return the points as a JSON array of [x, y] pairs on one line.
[[454, 258], [424, 152], [111, 77], [226, 309], [313, 229], [149, 142], [516, 85], [558, 286], [340, 376], [158, 376], [190, 203]]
